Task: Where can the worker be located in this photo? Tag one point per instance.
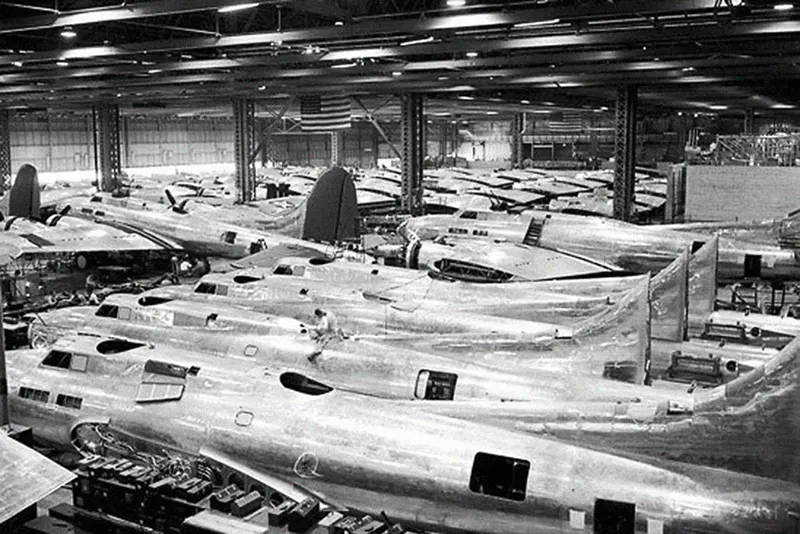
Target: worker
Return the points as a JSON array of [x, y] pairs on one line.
[[175, 264], [323, 332], [326, 324]]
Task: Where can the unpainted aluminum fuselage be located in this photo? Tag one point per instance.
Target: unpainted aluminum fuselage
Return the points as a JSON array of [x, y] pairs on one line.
[[375, 456]]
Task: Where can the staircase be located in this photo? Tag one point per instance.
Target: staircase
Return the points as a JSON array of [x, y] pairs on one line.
[[534, 232]]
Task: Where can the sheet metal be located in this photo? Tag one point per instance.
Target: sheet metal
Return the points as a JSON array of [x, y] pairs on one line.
[[25, 477]]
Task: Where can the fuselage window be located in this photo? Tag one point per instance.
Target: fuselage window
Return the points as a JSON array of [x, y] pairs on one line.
[[697, 245], [283, 269], [58, 358], [124, 314], [79, 362], [229, 237], [107, 310], [250, 350], [166, 369], [435, 385], [68, 401], [222, 290], [38, 395], [499, 476]]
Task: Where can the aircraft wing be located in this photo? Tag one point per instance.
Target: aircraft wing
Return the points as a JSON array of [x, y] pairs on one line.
[[89, 237], [25, 477]]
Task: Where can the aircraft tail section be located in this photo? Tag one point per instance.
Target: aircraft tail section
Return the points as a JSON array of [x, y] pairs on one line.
[[789, 231], [331, 212], [24, 197], [755, 419], [618, 338], [702, 294], [668, 295]]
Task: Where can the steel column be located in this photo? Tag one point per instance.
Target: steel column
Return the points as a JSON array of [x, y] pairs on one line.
[[243, 148], [749, 121], [107, 145], [4, 421], [337, 148], [625, 153], [517, 129], [413, 140], [5, 150]]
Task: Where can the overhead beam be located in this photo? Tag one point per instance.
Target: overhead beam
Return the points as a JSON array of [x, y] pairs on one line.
[[449, 24], [157, 8]]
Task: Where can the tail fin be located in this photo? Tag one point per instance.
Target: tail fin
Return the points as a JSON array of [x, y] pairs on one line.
[[668, 295], [755, 419], [24, 198], [618, 338], [331, 209], [328, 214], [702, 285], [789, 231]]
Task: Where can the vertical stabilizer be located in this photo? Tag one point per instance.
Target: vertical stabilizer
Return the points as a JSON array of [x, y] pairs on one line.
[[24, 195], [331, 209], [702, 285], [754, 421], [619, 337], [668, 294]]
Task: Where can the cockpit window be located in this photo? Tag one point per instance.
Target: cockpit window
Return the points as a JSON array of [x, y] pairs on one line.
[[303, 384], [58, 358], [499, 476], [66, 360], [205, 287], [283, 269], [469, 215], [107, 310]]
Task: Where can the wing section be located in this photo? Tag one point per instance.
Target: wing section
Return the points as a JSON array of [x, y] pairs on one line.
[[25, 477]]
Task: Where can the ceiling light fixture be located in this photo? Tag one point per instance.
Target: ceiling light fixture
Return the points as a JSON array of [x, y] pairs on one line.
[[397, 73], [524, 101], [466, 97], [492, 113], [17, 63], [717, 107], [456, 3], [68, 33], [688, 69], [237, 7], [344, 66], [472, 54], [153, 71], [262, 87], [783, 7], [413, 42], [62, 63], [339, 23], [536, 23]]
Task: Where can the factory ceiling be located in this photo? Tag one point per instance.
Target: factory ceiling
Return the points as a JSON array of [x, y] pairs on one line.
[[720, 56]]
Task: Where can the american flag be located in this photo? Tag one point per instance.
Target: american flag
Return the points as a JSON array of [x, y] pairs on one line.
[[571, 122], [322, 113]]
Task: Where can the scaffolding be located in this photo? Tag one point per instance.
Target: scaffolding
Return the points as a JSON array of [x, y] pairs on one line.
[[781, 150]]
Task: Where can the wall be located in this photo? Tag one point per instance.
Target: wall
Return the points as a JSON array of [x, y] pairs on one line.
[[66, 142], [729, 193]]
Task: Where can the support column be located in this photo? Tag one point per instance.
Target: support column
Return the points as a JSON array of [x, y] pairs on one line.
[[749, 121], [5, 150], [625, 153], [413, 136], [243, 148], [107, 160], [517, 129], [337, 147]]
